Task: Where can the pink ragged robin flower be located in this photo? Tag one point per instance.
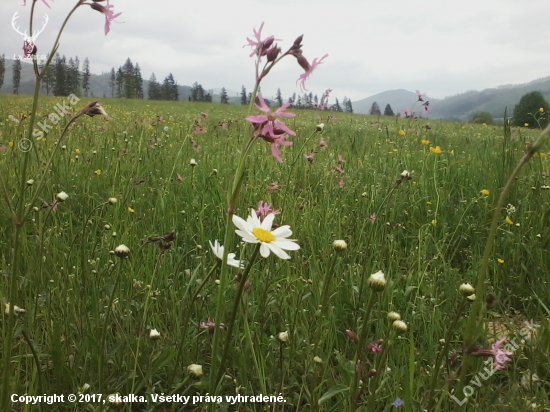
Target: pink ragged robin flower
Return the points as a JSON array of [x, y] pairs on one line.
[[259, 46], [500, 356], [273, 186], [107, 10], [341, 183], [341, 160], [265, 209], [407, 112], [376, 346], [309, 157], [269, 121], [372, 218], [420, 95], [339, 169], [323, 144], [275, 142], [309, 68], [211, 325]]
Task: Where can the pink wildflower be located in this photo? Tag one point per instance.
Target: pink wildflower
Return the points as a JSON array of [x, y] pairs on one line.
[[352, 335], [323, 144], [2, 148], [211, 325], [269, 121], [407, 112], [339, 169], [309, 157], [341, 183], [420, 95], [110, 15], [273, 186], [275, 143], [265, 209], [341, 159], [376, 346], [180, 177], [309, 68], [372, 218], [500, 355], [259, 46]]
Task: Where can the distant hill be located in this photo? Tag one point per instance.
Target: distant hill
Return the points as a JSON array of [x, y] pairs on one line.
[[397, 99], [464, 105]]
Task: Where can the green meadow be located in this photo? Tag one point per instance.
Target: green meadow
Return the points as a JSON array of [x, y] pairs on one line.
[[94, 324]]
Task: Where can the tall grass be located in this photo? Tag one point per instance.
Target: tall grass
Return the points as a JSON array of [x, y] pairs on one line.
[[89, 314]]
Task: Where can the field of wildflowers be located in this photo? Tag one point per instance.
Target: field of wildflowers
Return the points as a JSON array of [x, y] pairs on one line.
[[153, 249]]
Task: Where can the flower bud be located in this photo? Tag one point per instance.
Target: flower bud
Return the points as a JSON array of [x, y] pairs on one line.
[[471, 298], [283, 336], [154, 334], [61, 197], [352, 335], [377, 282], [122, 251], [195, 370], [320, 127], [466, 289], [393, 316], [192, 163], [112, 200], [339, 245], [399, 326], [30, 182]]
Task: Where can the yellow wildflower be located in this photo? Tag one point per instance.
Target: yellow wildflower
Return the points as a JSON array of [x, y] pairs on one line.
[[77, 151], [541, 110], [10, 143], [485, 192], [98, 172], [526, 124], [434, 222], [484, 124], [452, 152], [401, 132], [425, 142], [130, 210], [436, 150], [500, 260], [509, 221]]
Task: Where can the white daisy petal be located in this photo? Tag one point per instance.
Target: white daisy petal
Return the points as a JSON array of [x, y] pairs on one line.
[[264, 250], [240, 223], [268, 221], [283, 231], [278, 251], [287, 244]]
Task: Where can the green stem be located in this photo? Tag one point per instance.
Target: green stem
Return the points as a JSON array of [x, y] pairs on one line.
[[326, 283], [443, 353], [185, 323], [360, 345], [104, 331], [232, 318]]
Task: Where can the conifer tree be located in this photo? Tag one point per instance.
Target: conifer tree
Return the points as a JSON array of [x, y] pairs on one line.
[[2, 69], [138, 82], [243, 97], [153, 91], [16, 75], [86, 77], [112, 81], [279, 98], [224, 99], [388, 111]]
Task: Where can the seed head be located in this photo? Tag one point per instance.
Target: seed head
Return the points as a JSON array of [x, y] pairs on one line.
[[393, 316]]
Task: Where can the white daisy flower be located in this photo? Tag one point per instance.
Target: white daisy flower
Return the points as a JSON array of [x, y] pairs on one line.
[[255, 231], [218, 252]]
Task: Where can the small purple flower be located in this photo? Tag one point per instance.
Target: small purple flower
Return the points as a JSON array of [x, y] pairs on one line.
[[500, 355], [265, 209], [407, 112], [309, 157], [398, 402], [420, 95], [376, 346], [259, 46]]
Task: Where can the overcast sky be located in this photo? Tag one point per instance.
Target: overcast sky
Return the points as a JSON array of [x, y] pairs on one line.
[[442, 47]]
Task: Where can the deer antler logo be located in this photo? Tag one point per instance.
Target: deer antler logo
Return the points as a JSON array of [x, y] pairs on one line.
[[28, 46]]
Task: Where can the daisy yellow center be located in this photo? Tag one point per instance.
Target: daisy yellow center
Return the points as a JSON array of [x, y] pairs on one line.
[[263, 235]]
